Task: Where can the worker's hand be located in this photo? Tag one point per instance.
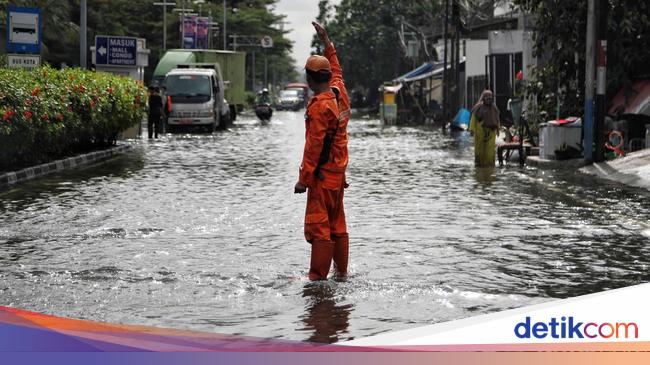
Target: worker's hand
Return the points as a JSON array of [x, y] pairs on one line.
[[322, 33], [299, 188]]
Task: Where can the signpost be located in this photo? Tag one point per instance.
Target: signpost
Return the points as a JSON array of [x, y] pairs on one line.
[[23, 30], [23, 37], [116, 51], [26, 61], [266, 42]]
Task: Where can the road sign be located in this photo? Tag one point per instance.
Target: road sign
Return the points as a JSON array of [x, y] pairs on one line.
[[23, 30], [266, 42], [25, 61], [116, 51]]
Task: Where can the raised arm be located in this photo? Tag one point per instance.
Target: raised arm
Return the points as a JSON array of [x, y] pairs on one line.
[[330, 53]]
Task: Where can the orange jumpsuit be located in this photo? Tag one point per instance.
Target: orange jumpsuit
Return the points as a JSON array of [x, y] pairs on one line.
[[325, 226]]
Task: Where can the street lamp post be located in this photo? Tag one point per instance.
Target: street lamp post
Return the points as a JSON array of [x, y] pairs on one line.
[[164, 5], [200, 4], [83, 25]]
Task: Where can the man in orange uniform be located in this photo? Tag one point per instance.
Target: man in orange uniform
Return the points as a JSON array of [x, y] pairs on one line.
[[325, 158]]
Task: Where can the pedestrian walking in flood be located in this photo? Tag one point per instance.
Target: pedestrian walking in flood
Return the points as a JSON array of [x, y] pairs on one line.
[[325, 159], [155, 111], [484, 125]]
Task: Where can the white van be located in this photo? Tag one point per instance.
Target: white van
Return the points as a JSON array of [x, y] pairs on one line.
[[197, 99]]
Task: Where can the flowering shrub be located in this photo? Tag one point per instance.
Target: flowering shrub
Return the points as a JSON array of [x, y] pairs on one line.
[[48, 113]]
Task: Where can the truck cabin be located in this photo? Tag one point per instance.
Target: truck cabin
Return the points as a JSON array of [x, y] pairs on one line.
[[191, 86]]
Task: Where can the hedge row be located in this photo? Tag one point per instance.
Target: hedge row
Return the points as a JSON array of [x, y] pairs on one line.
[[47, 113]]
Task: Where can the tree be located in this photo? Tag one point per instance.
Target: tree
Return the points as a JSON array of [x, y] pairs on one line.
[[560, 36], [142, 19], [367, 37]]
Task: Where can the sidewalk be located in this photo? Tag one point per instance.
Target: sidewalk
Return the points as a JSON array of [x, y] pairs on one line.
[[633, 169], [7, 179]]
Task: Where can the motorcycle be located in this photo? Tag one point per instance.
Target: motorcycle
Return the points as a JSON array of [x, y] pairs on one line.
[[264, 112]]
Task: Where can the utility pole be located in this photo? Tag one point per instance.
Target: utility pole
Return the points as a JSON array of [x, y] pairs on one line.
[[234, 42], [601, 81], [164, 5], [253, 69], [225, 37], [589, 82], [445, 76], [266, 67], [210, 29], [183, 25], [83, 25], [456, 15]]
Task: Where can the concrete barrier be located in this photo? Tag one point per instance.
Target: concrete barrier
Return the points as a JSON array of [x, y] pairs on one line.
[[8, 179]]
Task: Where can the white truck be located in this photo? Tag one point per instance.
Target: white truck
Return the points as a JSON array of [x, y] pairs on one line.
[[197, 98]]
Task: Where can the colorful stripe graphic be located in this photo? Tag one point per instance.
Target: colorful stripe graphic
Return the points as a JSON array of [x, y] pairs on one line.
[[24, 331]]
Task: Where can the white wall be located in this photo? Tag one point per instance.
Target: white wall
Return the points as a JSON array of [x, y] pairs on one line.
[[505, 41], [475, 58]]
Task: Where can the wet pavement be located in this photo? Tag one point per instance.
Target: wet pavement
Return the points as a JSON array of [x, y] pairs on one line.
[[203, 232]]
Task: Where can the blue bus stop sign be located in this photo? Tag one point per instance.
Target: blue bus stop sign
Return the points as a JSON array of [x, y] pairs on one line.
[[23, 30], [116, 51]]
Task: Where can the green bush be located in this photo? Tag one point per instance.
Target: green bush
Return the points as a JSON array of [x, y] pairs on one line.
[[47, 113]]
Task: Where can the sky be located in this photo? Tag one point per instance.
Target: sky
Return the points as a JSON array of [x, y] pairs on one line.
[[300, 14]]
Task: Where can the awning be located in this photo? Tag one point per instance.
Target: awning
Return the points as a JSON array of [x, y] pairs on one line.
[[638, 103], [392, 88], [426, 70], [422, 69]]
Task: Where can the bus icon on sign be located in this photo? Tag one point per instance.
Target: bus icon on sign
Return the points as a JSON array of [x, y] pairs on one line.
[[23, 28], [266, 42]]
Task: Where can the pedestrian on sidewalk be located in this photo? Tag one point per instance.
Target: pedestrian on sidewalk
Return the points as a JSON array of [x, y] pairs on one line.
[[325, 159], [484, 125], [155, 111]]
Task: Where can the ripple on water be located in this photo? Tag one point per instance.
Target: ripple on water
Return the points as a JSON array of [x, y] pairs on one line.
[[204, 232]]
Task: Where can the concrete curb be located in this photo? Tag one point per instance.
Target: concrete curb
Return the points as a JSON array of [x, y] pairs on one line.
[[631, 170], [536, 161], [11, 178]]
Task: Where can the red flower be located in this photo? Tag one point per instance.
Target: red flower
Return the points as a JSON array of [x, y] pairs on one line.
[[92, 103], [27, 114], [110, 90], [7, 115], [36, 91], [59, 117], [45, 117]]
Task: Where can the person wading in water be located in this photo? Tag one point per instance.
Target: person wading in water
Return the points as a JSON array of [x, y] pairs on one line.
[[484, 125], [325, 159]]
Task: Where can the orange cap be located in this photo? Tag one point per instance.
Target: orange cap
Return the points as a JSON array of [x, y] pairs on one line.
[[318, 63]]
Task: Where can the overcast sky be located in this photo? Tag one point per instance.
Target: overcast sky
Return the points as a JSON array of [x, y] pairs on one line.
[[300, 14]]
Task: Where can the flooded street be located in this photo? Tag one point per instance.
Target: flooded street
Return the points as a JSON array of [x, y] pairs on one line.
[[203, 232]]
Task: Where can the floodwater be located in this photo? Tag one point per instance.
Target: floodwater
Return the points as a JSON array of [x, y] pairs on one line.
[[203, 232]]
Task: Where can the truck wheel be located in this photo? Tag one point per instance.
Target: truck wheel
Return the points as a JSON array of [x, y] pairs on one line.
[[221, 123], [233, 113]]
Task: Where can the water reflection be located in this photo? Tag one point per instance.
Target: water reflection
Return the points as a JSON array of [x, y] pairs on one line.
[[324, 317], [485, 176]]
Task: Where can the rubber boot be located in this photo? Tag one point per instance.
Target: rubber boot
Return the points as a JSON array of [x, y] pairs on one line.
[[341, 248], [321, 259]]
